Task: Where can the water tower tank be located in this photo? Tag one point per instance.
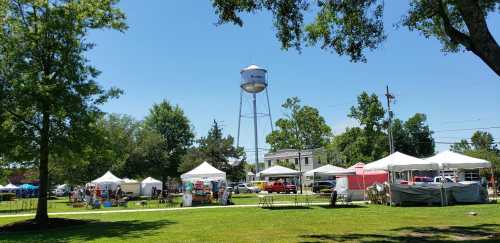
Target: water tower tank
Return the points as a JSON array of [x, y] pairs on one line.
[[253, 79]]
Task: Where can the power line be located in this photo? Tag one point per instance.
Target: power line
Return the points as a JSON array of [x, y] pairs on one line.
[[468, 129]]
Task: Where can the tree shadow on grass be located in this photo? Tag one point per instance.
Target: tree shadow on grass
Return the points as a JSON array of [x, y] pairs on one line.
[[342, 206], [476, 233], [92, 230], [287, 207]]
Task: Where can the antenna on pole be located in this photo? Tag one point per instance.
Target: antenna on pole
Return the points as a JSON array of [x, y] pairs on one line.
[[390, 97]]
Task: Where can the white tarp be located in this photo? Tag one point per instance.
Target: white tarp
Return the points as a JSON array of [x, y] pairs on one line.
[[108, 181], [148, 184], [10, 186], [278, 171], [204, 171], [452, 160], [131, 186], [400, 162], [330, 170]]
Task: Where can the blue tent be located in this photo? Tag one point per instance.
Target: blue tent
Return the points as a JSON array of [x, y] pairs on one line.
[[28, 187]]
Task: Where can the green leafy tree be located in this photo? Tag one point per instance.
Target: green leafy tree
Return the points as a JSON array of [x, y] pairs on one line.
[[176, 134], [217, 150], [302, 128], [113, 143], [352, 27], [483, 141], [49, 92], [483, 147], [368, 142], [414, 137], [286, 164]]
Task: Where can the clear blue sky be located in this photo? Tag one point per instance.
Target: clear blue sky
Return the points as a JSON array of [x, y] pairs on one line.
[[174, 51]]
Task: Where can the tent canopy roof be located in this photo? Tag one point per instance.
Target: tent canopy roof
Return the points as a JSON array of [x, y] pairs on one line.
[[331, 170], [400, 162], [108, 177], [278, 171], [150, 180], [129, 181], [453, 160], [204, 171], [10, 186]]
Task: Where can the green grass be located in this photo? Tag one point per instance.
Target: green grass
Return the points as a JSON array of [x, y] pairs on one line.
[[370, 223]]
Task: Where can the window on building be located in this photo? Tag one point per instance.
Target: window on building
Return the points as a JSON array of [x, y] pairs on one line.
[[306, 160], [269, 163], [296, 161]]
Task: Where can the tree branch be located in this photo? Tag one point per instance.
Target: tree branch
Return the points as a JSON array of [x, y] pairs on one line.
[[455, 35], [19, 117]]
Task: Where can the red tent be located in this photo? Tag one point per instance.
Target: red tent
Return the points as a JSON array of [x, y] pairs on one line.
[[364, 179]]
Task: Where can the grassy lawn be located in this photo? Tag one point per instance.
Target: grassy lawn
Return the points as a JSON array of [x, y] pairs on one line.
[[370, 223], [62, 205]]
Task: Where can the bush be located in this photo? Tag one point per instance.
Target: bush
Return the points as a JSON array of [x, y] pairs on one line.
[[7, 196]]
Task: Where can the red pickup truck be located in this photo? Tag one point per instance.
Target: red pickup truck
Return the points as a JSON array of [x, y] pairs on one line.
[[280, 187]]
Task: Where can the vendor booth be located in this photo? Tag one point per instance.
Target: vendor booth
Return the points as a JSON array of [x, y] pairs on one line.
[[362, 179], [429, 192], [341, 175], [131, 187], [148, 184], [204, 184], [107, 182]]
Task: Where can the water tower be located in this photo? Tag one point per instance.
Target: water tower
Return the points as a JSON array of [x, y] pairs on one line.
[[253, 82]]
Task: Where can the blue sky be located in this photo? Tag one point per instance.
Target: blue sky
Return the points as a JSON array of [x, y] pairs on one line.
[[174, 51]]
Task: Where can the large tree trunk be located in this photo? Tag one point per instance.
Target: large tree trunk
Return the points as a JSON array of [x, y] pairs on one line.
[[482, 42], [42, 218]]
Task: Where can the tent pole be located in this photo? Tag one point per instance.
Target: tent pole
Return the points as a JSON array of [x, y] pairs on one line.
[[389, 185], [493, 183], [364, 186]]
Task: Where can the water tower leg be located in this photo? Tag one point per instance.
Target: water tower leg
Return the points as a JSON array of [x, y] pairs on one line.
[[255, 132], [269, 111], [239, 120]]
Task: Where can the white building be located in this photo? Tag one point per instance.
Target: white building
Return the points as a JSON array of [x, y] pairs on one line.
[[307, 159]]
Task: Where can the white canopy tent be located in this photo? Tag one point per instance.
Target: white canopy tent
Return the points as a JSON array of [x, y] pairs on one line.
[[204, 171], [10, 187], [130, 186], [148, 184], [401, 162], [451, 160], [330, 170], [278, 171], [108, 181]]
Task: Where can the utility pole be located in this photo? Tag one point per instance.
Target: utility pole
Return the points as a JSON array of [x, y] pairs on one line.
[[389, 97]]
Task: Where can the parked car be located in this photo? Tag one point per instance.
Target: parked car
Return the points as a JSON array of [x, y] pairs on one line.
[[318, 186], [280, 187], [246, 188]]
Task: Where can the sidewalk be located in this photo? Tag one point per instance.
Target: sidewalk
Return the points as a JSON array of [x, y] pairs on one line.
[[158, 209]]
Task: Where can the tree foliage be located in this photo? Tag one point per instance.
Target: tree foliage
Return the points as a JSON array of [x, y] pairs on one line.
[[175, 137], [218, 151], [413, 137], [482, 146], [352, 27], [302, 128], [49, 94]]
